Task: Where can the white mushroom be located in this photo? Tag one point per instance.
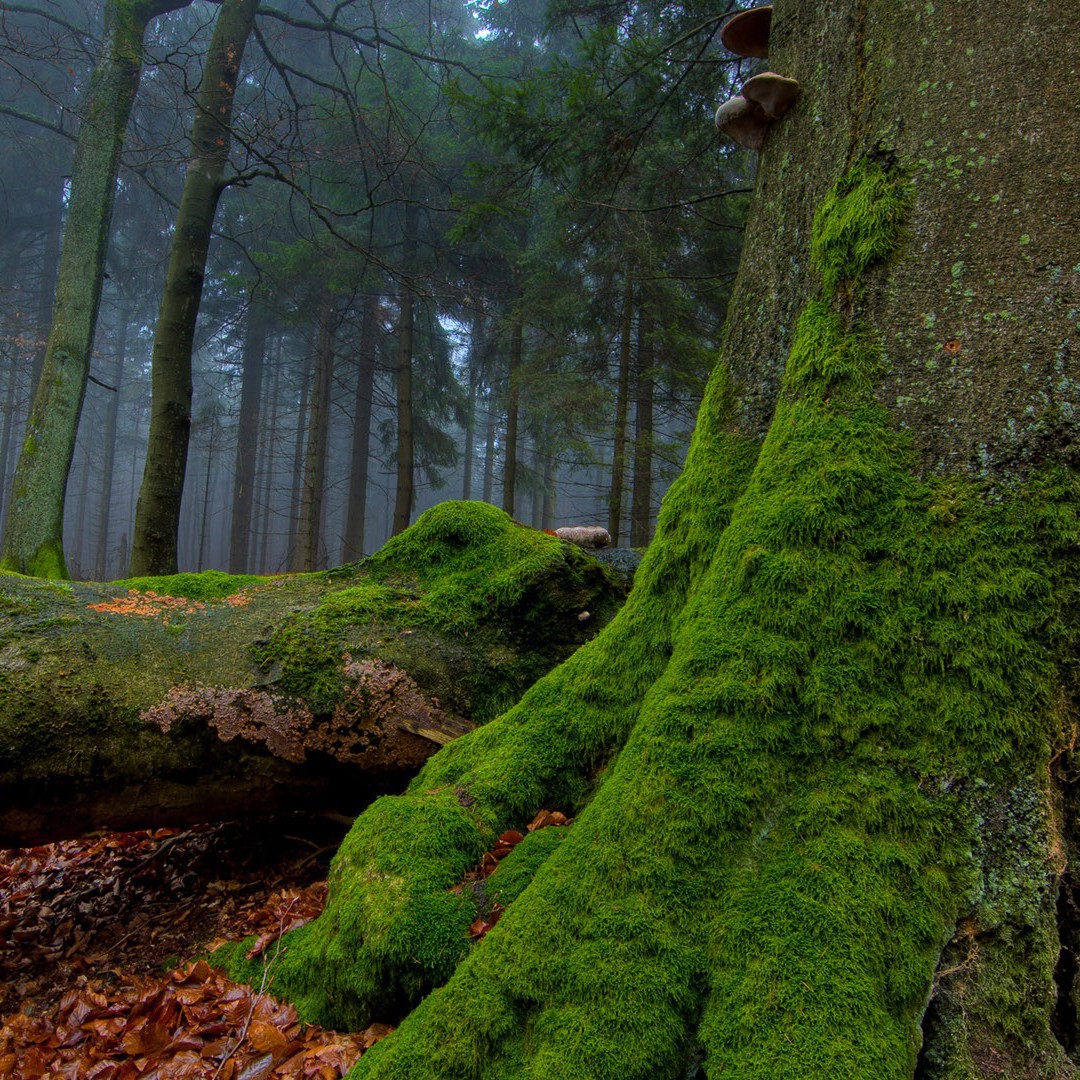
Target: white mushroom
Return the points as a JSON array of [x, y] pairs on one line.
[[773, 93], [742, 121]]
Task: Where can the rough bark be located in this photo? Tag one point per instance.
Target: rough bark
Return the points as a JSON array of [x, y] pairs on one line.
[[247, 439], [34, 528], [167, 700], [819, 761], [157, 511]]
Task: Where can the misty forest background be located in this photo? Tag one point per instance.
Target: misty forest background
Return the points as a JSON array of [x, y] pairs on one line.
[[522, 210]]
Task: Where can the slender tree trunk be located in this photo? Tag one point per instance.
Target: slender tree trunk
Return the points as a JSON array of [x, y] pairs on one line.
[[309, 537], [470, 409], [404, 489], [489, 456], [247, 438], [261, 557], [618, 455], [641, 499], [550, 504], [513, 402], [33, 532], [299, 444], [109, 450], [204, 517], [356, 507], [50, 262], [157, 514], [10, 401]]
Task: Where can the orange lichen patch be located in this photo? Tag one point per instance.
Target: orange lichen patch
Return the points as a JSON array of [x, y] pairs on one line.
[[952, 347], [148, 604]]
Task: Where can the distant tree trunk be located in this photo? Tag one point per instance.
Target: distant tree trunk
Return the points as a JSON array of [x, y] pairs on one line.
[[404, 491], [641, 500], [109, 451], [10, 399], [261, 555], [309, 536], [247, 437], [157, 513], [618, 456], [33, 532], [299, 444], [208, 481], [356, 507], [50, 261], [513, 401], [550, 505], [470, 409], [489, 457]]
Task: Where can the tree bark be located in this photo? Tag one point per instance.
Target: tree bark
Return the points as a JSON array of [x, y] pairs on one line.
[[513, 404], [406, 479], [622, 408], [641, 498], [247, 438], [200, 696], [34, 529], [366, 357], [157, 512], [821, 761], [109, 450], [309, 531]]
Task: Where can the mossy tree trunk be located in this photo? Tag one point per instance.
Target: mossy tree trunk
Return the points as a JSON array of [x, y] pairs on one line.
[[819, 762], [34, 527], [157, 511]]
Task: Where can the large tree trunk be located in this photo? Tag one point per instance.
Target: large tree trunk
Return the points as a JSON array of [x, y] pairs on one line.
[[34, 528], [201, 696], [157, 512], [819, 761]]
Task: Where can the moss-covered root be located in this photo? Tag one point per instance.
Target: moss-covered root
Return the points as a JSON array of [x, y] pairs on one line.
[[391, 931], [790, 833]]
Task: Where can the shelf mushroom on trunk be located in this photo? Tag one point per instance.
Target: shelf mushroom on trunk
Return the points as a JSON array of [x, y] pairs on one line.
[[746, 117]]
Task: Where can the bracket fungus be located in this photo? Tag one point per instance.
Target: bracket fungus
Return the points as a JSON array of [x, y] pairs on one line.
[[747, 33], [742, 121], [764, 99]]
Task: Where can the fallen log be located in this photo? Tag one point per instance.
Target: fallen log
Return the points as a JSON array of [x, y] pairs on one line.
[[173, 700]]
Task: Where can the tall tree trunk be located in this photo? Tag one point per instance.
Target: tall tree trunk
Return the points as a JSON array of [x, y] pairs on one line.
[[622, 397], [822, 766], [157, 513], [208, 483], [8, 419], [469, 464], [50, 262], [309, 531], [356, 507], [406, 479], [108, 461], [261, 557], [298, 458], [641, 499], [247, 437], [513, 404], [489, 456], [34, 530]]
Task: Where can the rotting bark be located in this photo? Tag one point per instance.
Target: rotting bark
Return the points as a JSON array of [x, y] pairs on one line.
[[34, 527], [167, 700], [814, 762], [157, 511]]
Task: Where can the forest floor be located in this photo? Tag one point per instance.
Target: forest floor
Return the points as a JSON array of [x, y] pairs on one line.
[[96, 936]]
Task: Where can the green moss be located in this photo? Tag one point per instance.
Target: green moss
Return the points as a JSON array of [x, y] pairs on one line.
[[516, 871], [207, 585], [770, 753]]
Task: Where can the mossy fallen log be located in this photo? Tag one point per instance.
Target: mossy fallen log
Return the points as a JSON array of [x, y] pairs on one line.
[[168, 700]]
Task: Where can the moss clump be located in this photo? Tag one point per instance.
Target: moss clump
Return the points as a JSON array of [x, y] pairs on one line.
[[771, 749], [505, 596], [516, 871], [206, 585]]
